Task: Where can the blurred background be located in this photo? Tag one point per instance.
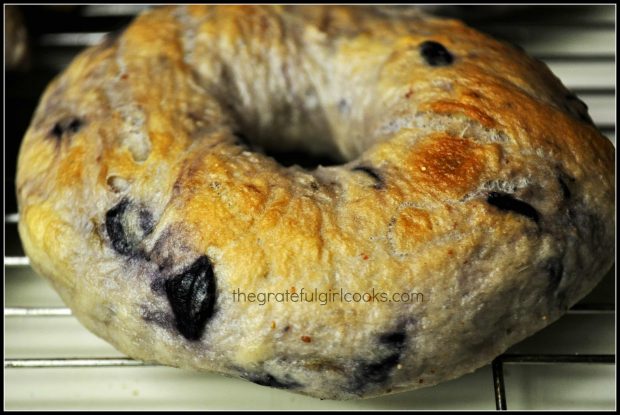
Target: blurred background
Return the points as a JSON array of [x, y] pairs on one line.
[[52, 362]]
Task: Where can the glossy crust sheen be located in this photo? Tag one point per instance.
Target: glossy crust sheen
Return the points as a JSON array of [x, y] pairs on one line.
[[470, 175]]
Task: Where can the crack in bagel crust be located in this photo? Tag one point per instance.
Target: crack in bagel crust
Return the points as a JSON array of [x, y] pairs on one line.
[[469, 175]]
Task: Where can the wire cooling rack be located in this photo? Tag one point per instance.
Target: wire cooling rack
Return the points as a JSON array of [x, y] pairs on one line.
[[577, 42]]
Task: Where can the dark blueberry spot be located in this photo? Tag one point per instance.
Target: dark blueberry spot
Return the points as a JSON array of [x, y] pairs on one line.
[[507, 202], [57, 131], [269, 380], [124, 235], [115, 229], [192, 297], [555, 271], [565, 189], [395, 339], [378, 371], [435, 54], [146, 221], [379, 184], [372, 373], [69, 125], [74, 126]]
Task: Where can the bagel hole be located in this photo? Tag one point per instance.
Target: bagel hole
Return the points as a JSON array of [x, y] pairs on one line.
[[288, 127], [303, 159], [292, 157]]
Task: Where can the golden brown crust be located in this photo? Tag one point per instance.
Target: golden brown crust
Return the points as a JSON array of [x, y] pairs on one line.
[[479, 183]]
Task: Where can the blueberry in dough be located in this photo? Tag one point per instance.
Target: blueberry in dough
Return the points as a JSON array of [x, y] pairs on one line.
[[509, 203], [435, 54], [192, 297], [70, 125]]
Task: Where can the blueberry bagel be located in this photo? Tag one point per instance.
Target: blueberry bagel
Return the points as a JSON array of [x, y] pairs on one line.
[[467, 174]]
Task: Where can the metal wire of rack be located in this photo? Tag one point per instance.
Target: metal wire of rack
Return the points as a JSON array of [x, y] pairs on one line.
[[101, 19]]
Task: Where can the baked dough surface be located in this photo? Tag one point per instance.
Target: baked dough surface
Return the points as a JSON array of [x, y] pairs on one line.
[[469, 174]]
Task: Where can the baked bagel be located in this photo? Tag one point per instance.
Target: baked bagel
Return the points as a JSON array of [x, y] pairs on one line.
[[470, 179]]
